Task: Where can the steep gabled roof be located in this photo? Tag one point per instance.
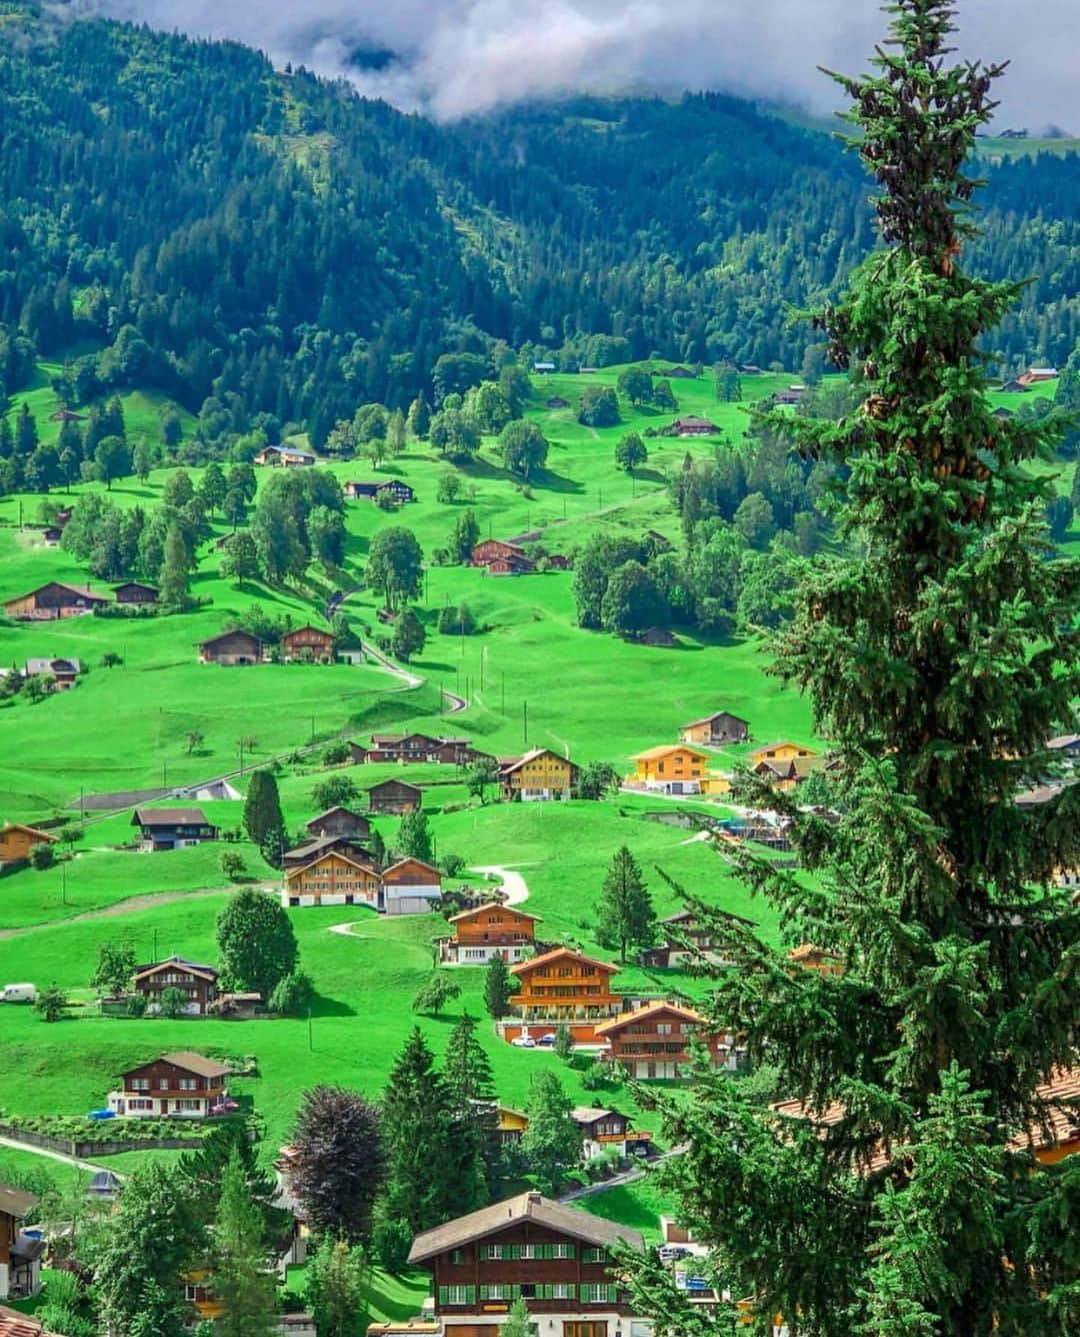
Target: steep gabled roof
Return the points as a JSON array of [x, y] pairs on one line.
[[324, 851], [516, 763], [45, 837], [16, 1201], [208, 973], [196, 1063], [492, 905], [169, 817], [560, 954], [717, 714], [665, 750], [616, 1024], [526, 1207]]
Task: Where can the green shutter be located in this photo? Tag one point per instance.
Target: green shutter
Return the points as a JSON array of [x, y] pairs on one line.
[[613, 1294], [547, 1251], [546, 1292], [570, 1251], [583, 1292], [515, 1292], [444, 1293], [470, 1295], [515, 1250], [483, 1292]]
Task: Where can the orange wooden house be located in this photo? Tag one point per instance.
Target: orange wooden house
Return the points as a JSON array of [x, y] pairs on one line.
[[333, 878], [653, 1042], [16, 842], [816, 958], [563, 986], [486, 931], [670, 769]]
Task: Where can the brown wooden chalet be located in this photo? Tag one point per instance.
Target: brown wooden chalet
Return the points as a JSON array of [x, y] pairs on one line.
[[555, 1258], [654, 1041], [394, 797], [302, 855], [501, 558], [52, 601], [172, 828], [717, 729], [540, 775], [197, 982], [16, 842], [410, 887], [372, 490], [181, 1085], [285, 457], [231, 648], [134, 592], [20, 1255], [604, 1129], [685, 939], [563, 986], [488, 930], [339, 822], [63, 672], [416, 747], [335, 874], [693, 426], [307, 645]]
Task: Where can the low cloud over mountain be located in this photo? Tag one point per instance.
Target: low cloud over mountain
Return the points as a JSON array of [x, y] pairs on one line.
[[459, 57]]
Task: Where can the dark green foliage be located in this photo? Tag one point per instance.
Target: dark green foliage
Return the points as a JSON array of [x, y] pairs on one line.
[[632, 602], [174, 578], [630, 452], [293, 995], [335, 791], [335, 1291], [551, 1143], [414, 837], [624, 915], [524, 447], [457, 621], [394, 565], [481, 776], [939, 652], [256, 942], [409, 635], [598, 407], [263, 822], [51, 1004], [338, 1164], [42, 856], [430, 1171], [391, 1243], [242, 1283], [139, 1261], [498, 987], [597, 780]]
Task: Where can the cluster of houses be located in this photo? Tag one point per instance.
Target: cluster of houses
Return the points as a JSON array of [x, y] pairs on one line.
[[336, 866], [194, 989], [57, 599], [500, 557], [1033, 376], [235, 648]]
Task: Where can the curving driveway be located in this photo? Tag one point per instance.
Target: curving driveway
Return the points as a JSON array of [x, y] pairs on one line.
[[514, 886]]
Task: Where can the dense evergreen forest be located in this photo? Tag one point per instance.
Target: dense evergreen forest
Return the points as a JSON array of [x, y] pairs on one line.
[[271, 249]]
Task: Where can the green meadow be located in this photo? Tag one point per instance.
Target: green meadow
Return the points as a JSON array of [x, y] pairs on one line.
[[529, 677]]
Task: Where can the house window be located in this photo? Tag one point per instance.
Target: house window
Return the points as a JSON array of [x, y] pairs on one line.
[[458, 1256], [188, 1084], [140, 1104], [562, 1290], [597, 1293], [188, 1104], [192, 1293], [594, 1256], [457, 1295], [563, 1251], [163, 1083], [140, 1084], [663, 1028], [531, 1251]]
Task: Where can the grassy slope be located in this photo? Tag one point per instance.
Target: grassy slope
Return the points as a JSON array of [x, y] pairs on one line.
[[602, 698]]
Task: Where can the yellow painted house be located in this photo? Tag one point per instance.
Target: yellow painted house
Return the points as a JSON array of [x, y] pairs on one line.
[[538, 775], [780, 752], [671, 769], [511, 1124]]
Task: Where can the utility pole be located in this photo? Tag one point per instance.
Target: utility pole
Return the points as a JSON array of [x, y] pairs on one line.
[[63, 884], [525, 723], [502, 708], [155, 944], [310, 1041]]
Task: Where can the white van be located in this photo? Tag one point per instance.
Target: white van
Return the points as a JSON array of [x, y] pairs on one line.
[[18, 993]]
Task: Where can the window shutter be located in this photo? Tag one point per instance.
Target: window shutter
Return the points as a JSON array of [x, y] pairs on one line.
[[515, 1292], [570, 1251], [548, 1251], [515, 1250], [583, 1292], [444, 1294], [546, 1292], [613, 1294], [483, 1292], [470, 1295]]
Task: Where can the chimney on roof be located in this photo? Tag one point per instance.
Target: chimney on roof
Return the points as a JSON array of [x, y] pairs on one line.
[[534, 1197]]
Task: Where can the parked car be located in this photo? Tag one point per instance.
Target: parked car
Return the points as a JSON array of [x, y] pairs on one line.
[[18, 993], [224, 1107], [102, 1114], [524, 1042], [671, 1253], [547, 1040]]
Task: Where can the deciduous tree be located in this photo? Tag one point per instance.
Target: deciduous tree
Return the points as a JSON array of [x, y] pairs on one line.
[[337, 1167], [256, 942]]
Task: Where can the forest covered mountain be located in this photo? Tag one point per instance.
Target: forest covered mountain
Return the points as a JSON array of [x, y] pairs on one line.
[[276, 245]]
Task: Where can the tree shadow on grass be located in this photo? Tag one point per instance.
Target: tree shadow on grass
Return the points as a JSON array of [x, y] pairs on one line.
[[330, 1007]]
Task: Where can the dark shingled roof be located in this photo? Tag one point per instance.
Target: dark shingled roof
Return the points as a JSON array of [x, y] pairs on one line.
[[15, 1202], [169, 817], [525, 1207]]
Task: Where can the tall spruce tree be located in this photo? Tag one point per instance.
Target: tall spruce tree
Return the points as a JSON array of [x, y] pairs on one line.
[[242, 1282], [897, 1193], [624, 915], [263, 821], [472, 1090]]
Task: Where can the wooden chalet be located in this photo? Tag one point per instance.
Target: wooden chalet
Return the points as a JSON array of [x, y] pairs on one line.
[[307, 645], [17, 840], [394, 797], [488, 930], [670, 769], [540, 775], [232, 649], [716, 730], [786, 774], [1036, 375], [410, 887], [687, 939], [182, 1085], [606, 1130], [63, 672], [333, 877], [310, 850], [415, 748], [133, 592], [780, 752], [501, 558], [197, 982], [172, 828], [809, 957], [371, 491], [694, 426], [14, 1323], [1014, 387], [339, 822], [554, 1257], [284, 457], [562, 986], [653, 1042], [20, 1260], [53, 601]]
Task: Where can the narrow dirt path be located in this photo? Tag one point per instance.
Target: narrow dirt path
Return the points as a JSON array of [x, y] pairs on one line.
[[64, 1159], [514, 886]]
